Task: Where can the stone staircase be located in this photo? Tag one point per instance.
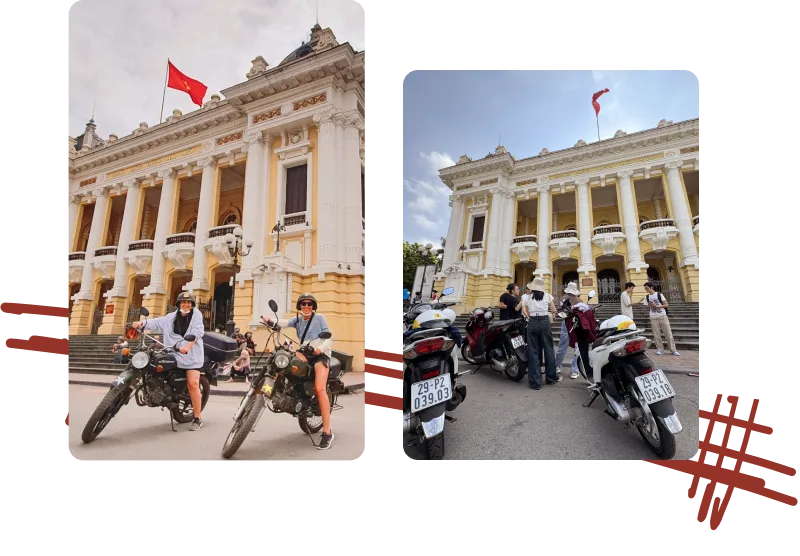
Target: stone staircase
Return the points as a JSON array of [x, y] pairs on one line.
[[684, 319]]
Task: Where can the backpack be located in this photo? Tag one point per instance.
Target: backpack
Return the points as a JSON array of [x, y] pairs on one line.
[[661, 300]]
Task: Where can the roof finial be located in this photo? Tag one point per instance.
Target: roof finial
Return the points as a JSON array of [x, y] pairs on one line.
[[93, 107], [499, 140], [317, 12]]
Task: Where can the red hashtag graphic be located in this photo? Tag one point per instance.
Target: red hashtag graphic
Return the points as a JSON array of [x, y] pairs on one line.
[[733, 478]]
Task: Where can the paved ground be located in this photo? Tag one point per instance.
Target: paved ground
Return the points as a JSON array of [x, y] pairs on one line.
[[143, 433], [501, 419]]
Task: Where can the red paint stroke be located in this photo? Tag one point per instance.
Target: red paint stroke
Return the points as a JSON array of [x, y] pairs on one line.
[[372, 354], [383, 401], [41, 343], [20, 308], [383, 371], [67, 419], [732, 478]]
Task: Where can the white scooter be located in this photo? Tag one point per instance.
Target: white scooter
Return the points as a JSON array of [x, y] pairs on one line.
[[430, 374], [634, 392]]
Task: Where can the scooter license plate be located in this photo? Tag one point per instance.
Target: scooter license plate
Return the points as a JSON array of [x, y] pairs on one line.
[[655, 387], [517, 341], [430, 392]]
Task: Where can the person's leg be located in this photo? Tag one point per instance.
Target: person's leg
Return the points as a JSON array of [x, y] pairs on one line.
[[563, 344], [534, 374], [574, 373], [193, 384], [583, 346], [320, 388], [656, 326], [549, 353], [668, 334]]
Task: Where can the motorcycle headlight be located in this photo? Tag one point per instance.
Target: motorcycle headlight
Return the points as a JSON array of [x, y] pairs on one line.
[[140, 360], [281, 360]]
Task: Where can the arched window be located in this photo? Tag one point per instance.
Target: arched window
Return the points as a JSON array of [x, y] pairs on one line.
[[191, 226], [603, 223], [230, 217], [573, 228]]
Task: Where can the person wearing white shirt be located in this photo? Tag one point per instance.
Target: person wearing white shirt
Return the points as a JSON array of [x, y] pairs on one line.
[[625, 300], [659, 321], [538, 307]]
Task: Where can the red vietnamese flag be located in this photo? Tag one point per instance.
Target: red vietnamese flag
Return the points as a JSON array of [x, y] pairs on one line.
[[179, 81], [595, 104]]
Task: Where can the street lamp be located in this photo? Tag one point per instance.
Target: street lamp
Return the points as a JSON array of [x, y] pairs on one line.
[[278, 228], [234, 241], [462, 249], [424, 251]]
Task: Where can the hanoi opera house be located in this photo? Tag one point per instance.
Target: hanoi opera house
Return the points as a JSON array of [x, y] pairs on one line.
[[600, 214], [281, 156]]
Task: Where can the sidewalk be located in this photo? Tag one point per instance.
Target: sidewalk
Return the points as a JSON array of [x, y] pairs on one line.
[[353, 382]]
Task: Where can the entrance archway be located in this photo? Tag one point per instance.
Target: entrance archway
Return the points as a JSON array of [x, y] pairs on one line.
[[221, 299], [523, 274], [100, 304], [608, 286]]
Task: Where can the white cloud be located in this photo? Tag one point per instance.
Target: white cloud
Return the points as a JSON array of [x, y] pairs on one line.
[[436, 161], [118, 50], [598, 76], [424, 196], [423, 222]]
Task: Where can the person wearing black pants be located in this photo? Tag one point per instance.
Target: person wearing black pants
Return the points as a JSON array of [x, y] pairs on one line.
[[537, 308]]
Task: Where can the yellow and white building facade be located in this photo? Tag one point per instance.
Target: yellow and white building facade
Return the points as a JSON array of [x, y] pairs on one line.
[[281, 155], [602, 214]]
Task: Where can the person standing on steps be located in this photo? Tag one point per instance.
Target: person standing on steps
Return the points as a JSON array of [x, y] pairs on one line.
[[538, 308], [509, 303], [563, 339], [659, 321], [625, 300]]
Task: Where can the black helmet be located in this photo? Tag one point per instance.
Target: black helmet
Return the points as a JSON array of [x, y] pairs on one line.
[[185, 296], [307, 296]]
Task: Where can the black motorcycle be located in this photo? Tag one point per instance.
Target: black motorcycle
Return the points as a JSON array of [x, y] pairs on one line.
[[284, 385], [153, 379]]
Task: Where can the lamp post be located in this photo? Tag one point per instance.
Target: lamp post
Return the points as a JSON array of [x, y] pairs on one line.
[[278, 228], [234, 241], [424, 251], [462, 249]]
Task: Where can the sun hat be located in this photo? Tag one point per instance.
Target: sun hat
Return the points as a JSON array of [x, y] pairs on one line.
[[537, 285], [572, 288]]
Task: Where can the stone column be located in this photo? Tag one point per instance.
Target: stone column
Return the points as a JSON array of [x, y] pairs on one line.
[[114, 323], [352, 194], [585, 228], [146, 217], [96, 233], [507, 229], [327, 207], [683, 221], [454, 230], [338, 119], [543, 264], [636, 266], [74, 210], [252, 214], [657, 207], [155, 291], [493, 239], [204, 219]]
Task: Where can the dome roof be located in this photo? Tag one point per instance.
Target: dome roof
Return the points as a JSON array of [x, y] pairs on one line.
[[300, 52]]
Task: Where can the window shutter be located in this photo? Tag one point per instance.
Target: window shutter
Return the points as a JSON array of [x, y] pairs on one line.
[[477, 229], [296, 189]]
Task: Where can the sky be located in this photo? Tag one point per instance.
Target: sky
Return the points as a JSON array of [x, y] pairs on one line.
[[450, 113], [118, 50]]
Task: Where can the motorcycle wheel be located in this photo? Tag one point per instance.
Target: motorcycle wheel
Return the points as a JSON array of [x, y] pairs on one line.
[[513, 371], [466, 353], [243, 426], [106, 410], [655, 434], [434, 447], [184, 413]]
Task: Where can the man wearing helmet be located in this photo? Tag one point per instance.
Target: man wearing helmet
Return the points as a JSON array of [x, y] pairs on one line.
[[174, 326], [309, 325]]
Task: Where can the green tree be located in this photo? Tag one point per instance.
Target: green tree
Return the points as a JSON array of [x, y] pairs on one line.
[[411, 260]]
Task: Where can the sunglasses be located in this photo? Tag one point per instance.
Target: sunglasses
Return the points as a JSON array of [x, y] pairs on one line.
[[306, 305]]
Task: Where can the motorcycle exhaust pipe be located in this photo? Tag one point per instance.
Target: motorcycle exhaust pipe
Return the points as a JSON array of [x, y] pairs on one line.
[[618, 411], [459, 395]]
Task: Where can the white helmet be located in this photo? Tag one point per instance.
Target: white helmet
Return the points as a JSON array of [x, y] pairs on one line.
[[620, 322], [435, 319]]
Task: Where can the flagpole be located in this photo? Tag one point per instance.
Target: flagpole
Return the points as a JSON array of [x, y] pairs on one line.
[[597, 117], [161, 118]]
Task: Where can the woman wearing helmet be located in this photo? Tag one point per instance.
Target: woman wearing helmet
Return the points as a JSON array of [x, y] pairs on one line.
[[174, 326], [309, 325]]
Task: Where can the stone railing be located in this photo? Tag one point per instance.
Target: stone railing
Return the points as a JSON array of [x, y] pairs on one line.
[[564, 234], [220, 231], [661, 223], [475, 245], [608, 229], [523, 239], [105, 251], [294, 219], [180, 238], [77, 256], [140, 245]]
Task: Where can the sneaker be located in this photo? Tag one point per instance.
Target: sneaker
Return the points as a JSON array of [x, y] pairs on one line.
[[573, 374], [556, 381], [196, 424], [659, 353], [325, 441], [675, 353]]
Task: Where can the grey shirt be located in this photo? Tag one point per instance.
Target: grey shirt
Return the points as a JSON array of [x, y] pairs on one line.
[[192, 360], [318, 325]]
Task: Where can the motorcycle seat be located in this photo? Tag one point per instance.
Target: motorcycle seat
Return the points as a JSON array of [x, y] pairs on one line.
[[499, 323], [336, 369]]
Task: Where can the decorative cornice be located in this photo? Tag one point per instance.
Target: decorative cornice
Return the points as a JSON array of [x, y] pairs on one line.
[[153, 163], [228, 138], [488, 182], [688, 150], [605, 167], [310, 101], [264, 116], [526, 182], [462, 187]]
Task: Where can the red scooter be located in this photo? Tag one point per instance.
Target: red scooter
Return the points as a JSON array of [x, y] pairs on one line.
[[499, 344]]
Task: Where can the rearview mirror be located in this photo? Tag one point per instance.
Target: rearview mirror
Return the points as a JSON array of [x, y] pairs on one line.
[[190, 337], [273, 306], [447, 291], [592, 294], [143, 311], [324, 335]]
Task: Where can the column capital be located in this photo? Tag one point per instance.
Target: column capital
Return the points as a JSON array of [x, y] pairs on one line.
[[324, 116], [208, 161], [354, 119], [624, 174], [673, 165], [253, 136], [131, 184], [75, 199], [582, 182], [542, 188], [167, 173], [101, 192]]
